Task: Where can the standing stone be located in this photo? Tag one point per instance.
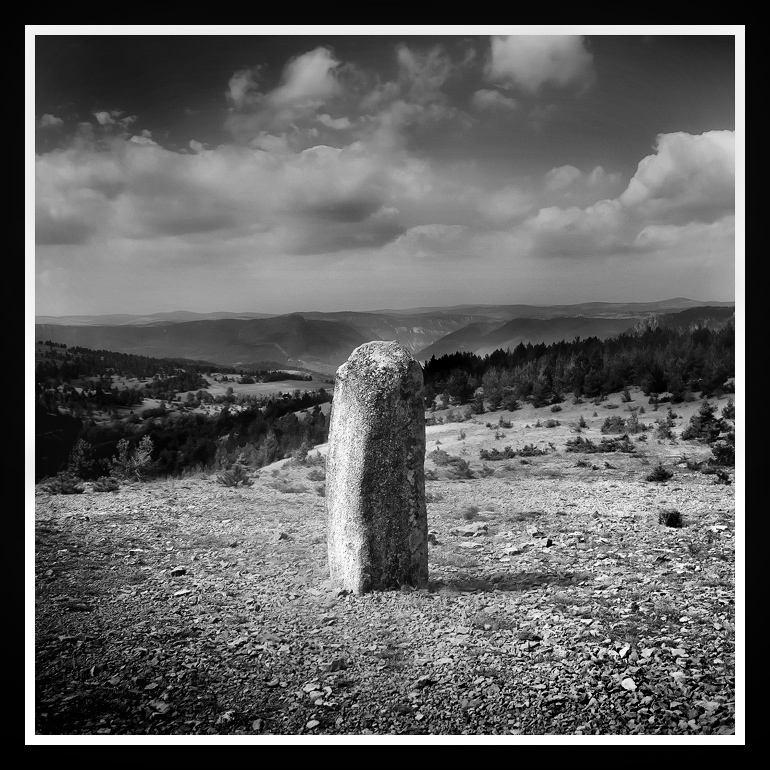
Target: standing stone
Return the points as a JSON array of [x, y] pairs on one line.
[[375, 482]]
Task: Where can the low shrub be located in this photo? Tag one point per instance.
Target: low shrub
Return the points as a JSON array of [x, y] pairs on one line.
[[235, 475], [670, 517], [106, 484], [468, 512], [580, 444], [658, 473], [64, 483], [614, 424]]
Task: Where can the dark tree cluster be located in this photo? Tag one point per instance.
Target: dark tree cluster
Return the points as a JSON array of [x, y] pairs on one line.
[[658, 360]]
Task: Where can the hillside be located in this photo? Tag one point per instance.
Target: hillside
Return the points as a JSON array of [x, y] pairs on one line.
[[321, 341], [290, 341], [484, 338], [559, 604]]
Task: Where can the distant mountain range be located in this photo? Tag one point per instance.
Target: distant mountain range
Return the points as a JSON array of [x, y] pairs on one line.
[[321, 341]]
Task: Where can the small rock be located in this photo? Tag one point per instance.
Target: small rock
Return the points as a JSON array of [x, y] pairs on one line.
[[226, 717], [160, 706], [312, 724], [178, 571]]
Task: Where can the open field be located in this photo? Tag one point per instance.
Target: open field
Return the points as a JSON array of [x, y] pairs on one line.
[[558, 602]]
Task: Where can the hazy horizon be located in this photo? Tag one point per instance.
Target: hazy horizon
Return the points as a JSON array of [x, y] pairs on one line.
[[428, 308], [341, 170]]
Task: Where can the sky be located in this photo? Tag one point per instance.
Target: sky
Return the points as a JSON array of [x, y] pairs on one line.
[[347, 168]]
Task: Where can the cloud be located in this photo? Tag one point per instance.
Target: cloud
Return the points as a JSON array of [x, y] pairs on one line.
[[318, 200], [308, 81], [561, 177], [505, 206], [689, 182], [599, 229], [531, 62], [309, 77], [490, 99], [338, 124], [689, 178], [104, 118], [422, 74], [50, 121]]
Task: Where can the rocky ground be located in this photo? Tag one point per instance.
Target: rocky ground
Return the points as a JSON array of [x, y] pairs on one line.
[[559, 604]]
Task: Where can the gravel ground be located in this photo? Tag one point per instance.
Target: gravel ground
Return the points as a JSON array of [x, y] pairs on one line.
[[558, 604]]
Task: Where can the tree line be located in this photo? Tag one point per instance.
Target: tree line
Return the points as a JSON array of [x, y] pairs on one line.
[[658, 360]]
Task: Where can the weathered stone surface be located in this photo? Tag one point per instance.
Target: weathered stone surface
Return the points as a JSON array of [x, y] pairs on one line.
[[375, 484]]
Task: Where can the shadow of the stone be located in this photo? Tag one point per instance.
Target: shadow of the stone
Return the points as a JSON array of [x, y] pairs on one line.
[[514, 582]]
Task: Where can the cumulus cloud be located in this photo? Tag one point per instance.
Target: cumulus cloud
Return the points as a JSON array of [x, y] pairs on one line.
[[531, 62], [50, 121], [308, 77], [561, 177], [316, 201], [689, 182], [491, 99], [599, 229], [688, 178], [307, 82]]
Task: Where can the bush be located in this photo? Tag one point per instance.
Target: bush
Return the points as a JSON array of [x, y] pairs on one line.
[[724, 452], [456, 466], [580, 444], [81, 463], [658, 473], [469, 512], [133, 463], [614, 424], [556, 408], [106, 484], [496, 454], [316, 474], [625, 396], [728, 410], [236, 474], [704, 426], [670, 517], [64, 484]]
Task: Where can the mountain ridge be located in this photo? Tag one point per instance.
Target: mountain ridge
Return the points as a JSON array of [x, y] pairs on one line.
[[321, 341]]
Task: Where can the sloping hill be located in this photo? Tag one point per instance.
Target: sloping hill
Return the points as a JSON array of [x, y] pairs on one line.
[[287, 340]]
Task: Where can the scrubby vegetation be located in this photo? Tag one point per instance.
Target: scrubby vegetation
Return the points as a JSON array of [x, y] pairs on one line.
[[79, 428]]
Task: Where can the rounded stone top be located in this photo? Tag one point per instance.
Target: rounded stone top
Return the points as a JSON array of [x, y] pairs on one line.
[[381, 363]]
